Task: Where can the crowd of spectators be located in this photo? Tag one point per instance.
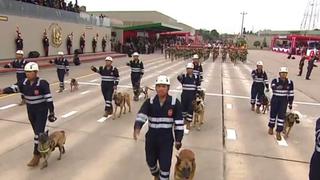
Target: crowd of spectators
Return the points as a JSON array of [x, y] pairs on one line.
[[57, 4]]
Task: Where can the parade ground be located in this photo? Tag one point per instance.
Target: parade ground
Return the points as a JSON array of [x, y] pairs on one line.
[[233, 143]]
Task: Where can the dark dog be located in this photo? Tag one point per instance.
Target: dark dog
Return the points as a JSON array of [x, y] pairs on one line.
[[186, 165], [145, 91], [265, 104], [47, 144], [291, 119], [74, 85], [120, 100], [201, 94]]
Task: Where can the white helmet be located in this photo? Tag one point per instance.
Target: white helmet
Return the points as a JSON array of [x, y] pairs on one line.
[[259, 63], [195, 56], [109, 58], [162, 79], [283, 70], [19, 52], [60, 53], [31, 66], [190, 66], [135, 54]]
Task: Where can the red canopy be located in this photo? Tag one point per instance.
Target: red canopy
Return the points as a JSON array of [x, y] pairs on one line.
[[177, 33]]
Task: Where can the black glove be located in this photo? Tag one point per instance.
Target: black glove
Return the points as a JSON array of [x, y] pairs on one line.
[[94, 69], [51, 117], [178, 145], [290, 106]]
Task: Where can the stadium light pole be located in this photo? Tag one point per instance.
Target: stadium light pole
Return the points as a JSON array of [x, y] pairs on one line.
[[243, 14]]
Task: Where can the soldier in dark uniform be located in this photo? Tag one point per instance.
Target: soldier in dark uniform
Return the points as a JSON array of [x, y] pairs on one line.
[[62, 65], [110, 81], [19, 64], [137, 71], [82, 43], [19, 42], [311, 65], [301, 64], [104, 44], [314, 173], [94, 45], [163, 113], [39, 101], [45, 44], [69, 44]]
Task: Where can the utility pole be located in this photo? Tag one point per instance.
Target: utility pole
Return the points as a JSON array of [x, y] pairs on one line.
[[243, 14]]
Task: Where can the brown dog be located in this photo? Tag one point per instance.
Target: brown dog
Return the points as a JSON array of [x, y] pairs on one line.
[[265, 104], [198, 111], [120, 100], [47, 144], [145, 91], [186, 165], [74, 85], [291, 119]]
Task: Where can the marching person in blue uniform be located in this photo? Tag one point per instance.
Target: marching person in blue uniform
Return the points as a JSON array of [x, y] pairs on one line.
[[283, 95], [260, 80], [314, 173], [197, 69], [39, 101], [137, 71], [190, 86], [19, 64], [163, 113], [109, 82], [62, 65]]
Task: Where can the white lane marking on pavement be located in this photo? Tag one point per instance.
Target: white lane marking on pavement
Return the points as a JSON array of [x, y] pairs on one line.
[[227, 92], [186, 131], [231, 134], [229, 106], [94, 80], [69, 114], [103, 119], [85, 92], [283, 142], [8, 106]]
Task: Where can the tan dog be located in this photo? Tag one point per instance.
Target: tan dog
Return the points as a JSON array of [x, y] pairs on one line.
[[120, 100], [186, 165], [74, 85], [47, 144], [198, 111], [291, 119]]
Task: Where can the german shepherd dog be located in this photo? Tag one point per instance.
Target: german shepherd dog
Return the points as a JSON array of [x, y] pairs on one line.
[[74, 85], [265, 102], [120, 100], [291, 119], [185, 166], [198, 111], [47, 144]]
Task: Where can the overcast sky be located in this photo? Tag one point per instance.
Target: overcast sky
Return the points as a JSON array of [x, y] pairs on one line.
[[223, 15]]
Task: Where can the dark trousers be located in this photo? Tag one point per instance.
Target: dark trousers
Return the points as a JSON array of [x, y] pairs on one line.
[[46, 51], [314, 173], [104, 48], [107, 91], [61, 73], [135, 81], [278, 112], [38, 119], [94, 49], [20, 78], [186, 102], [69, 49], [158, 149], [257, 92], [300, 69], [309, 73]]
